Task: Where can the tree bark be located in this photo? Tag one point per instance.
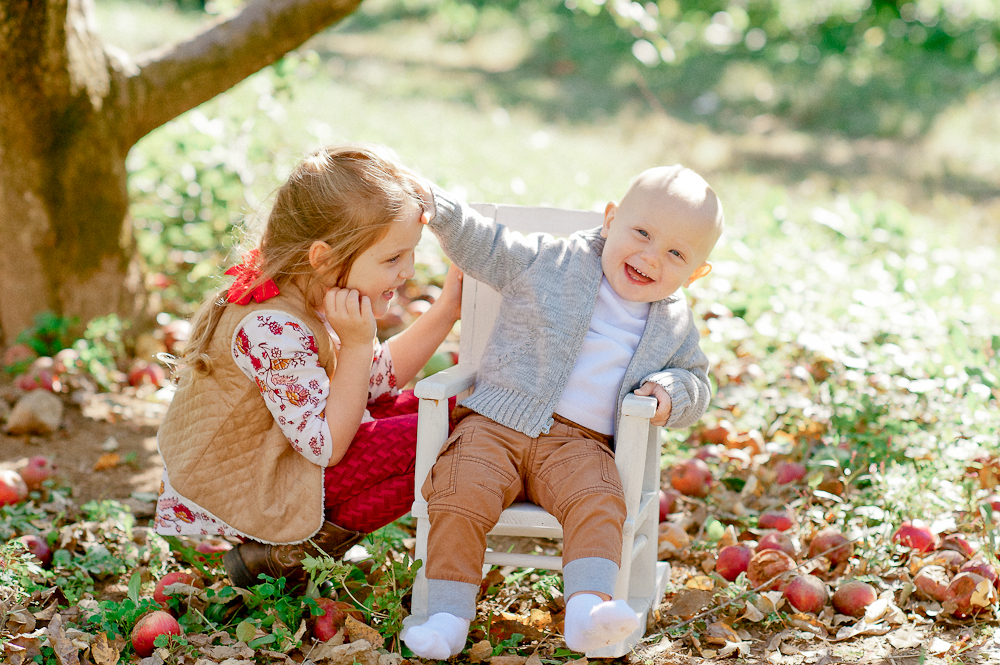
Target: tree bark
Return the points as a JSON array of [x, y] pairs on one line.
[[70, 110]]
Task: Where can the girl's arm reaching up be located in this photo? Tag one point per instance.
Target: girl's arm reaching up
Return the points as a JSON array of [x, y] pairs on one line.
[[413, 347]]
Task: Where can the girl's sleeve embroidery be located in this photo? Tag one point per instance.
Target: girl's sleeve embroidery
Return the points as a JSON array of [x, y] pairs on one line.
[[383, 376], [280, 355]]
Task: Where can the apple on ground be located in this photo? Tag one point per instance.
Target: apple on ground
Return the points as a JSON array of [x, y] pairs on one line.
[[782, 520], [789, 472], [777, 540], [142, 372], [38, 469], [983, 568], [12, 487], [668, 501], [769, 567], [806, 593], [732, 561], [151, 626], [334, 614], [932, 582], [691, 478], [213, 549], [831, 544], [178, 577], [851, 598], [968, 595], [38, 547], [916, 536]]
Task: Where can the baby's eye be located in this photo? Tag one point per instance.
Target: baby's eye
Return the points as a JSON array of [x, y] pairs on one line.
[[677, 254], [642, 232]]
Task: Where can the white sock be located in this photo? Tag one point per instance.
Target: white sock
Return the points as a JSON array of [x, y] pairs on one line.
[[439, 638], [592, 623]]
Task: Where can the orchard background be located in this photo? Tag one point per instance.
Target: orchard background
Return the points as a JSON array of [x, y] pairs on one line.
[[852, 320]]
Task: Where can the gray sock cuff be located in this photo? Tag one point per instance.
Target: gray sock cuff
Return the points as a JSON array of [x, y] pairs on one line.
[[458, 598], [590, 573]]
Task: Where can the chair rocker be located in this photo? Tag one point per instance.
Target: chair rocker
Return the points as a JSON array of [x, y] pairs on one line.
[[641, 579]]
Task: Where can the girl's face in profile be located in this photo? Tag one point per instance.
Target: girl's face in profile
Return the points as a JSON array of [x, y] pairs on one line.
[[385, 266]]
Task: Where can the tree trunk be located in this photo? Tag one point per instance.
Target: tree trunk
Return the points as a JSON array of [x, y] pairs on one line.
[[70, 112]]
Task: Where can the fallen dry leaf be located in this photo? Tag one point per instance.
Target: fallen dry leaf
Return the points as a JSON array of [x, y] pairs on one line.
[[66, 652], [360, 652], [719, 633], [107, 461], [357, 630], [102, 652], [690, 602], [507, 660], [480, 651]]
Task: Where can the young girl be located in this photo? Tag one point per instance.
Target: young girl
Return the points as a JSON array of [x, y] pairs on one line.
[[287, 428]]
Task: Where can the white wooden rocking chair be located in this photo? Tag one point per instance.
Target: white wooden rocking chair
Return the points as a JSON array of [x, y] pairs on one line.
[[642, 579]]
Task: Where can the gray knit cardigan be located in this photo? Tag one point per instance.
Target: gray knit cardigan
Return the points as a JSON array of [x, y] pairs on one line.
[[549, 287]]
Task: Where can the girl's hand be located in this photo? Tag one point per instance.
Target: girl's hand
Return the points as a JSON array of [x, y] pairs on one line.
[[350, 315], [663, 403], [450, 300]]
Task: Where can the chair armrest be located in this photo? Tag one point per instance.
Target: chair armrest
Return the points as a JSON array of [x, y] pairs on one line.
[[447, 383], [634, 405]]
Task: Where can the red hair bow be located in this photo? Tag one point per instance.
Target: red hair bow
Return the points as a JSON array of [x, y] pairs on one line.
[[247, 273]]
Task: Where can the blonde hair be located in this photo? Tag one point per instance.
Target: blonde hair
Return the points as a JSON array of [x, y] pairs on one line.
[[344, 195]]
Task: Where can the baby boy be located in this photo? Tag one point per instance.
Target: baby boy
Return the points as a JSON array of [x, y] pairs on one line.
[[584, 321]]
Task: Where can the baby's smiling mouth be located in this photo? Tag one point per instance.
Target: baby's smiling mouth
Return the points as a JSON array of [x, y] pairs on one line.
[[637, 274]]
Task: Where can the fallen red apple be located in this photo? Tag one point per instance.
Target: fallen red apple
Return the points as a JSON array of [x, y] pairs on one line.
[[691, 478], [38, 547], [932, 582], [789, 472], [983, 568], [335, 613], [151, 626], [915, 536], [769, 566], [957, 542], [949, 559], [806, 593], [38, 469], [776, 540], [851, 598], [776, 519], [179, 577], [142, 372], [969, 594], [831, 544], [732, 561], [12, 487], [668, 500], [213, 549]]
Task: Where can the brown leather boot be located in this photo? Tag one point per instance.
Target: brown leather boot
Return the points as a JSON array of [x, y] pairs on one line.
[[246, 562]]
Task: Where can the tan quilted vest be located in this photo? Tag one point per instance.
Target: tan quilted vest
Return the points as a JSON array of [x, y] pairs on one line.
[[225, 452]]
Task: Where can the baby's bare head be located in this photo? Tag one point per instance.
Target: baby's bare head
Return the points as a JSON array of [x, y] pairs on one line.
[[681, 196]]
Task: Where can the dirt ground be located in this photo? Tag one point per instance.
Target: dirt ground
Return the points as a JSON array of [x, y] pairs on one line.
[[106, 449]]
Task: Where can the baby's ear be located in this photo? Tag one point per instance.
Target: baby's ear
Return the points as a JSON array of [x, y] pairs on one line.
[[610, 211], [699, 272]]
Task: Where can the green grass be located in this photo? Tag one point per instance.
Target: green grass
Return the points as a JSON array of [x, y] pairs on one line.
[[870, 252]]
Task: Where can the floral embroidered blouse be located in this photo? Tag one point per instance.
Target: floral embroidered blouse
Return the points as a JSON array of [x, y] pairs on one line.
[[279, 353]]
